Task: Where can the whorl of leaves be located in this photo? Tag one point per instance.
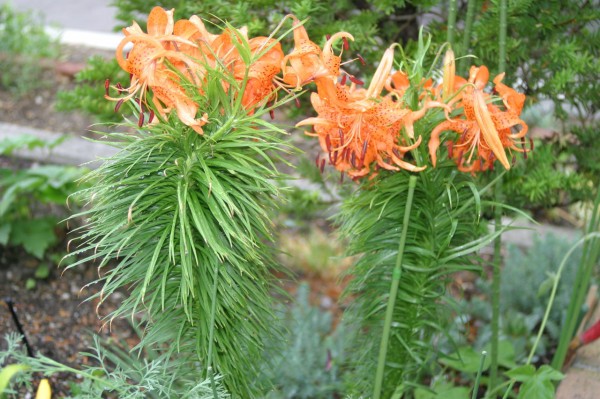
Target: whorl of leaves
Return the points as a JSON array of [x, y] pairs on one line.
[[183, 221], [441, 235]]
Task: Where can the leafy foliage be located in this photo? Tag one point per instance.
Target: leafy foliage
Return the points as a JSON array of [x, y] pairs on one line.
[[185, 218], [442, 231], [117, 372], [23, 44], [536, 384], [26, 192], [88, 95], [525, 288]]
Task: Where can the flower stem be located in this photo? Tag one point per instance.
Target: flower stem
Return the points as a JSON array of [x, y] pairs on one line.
[[467, 33], [396, 274], [497, 275], [478, 378], [502, 36], [213, 313], [496, 279], [452, 11]]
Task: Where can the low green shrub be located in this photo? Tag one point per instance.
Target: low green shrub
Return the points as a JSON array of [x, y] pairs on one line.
[[33, 198], [23, 46]]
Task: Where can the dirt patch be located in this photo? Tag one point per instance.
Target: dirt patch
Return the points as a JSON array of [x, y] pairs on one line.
[[37, 109]]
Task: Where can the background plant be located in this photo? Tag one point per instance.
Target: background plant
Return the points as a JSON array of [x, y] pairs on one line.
[[88, 95], [116, 371], [24, 48], [310, 358], [33, 198]]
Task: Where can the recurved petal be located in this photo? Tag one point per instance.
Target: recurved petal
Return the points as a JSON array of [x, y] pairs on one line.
[[160, 22], [488, 129]]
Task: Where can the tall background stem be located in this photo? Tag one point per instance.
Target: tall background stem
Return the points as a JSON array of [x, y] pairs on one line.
[[464, 50], [497, 264], [452, 11]]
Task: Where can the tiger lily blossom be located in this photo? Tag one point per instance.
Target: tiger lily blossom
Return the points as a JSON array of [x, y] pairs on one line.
[[360, 127], [485, 129]]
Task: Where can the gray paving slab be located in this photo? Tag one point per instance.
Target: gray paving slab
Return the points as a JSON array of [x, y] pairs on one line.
[[89, 15], [73, 151]]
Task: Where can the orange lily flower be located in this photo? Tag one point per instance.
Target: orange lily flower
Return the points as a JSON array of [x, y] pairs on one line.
[[359, 128], [307, 63], [485, 130], [147, 64]]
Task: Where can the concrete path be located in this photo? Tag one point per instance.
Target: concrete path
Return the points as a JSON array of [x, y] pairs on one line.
[[73, 151], [88, 15]]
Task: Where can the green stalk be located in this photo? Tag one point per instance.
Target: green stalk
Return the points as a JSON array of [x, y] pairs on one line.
[[396, 274], [452, 11], [478, 378], [502, 36], [497, 275], [591, 252], [213, 314], [467, 33], [496, 279]]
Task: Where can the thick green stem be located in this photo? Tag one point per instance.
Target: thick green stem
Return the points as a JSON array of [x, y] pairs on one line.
[[497, 275], [496, 279], [396, 274], [213, 314], [590, 254], [502, 36], [452, 11], [467, 34]]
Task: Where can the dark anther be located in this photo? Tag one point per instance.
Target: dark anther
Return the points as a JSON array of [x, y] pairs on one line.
[[272, 114], [297, 102], [106, 86], [343, 81], [317, 159], [328, 143], [450, 150], [356, 81], [118, 105], [151, 116], [327, 36], [514, 160], [341, 177], [353, 159], [346, 44], [530, 144], [141, 119], [322, 167], [341, 132], [361, 59], [13, 312], [335, 157], [364, 151]]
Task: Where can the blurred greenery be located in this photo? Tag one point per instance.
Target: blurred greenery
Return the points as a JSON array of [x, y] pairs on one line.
[[24, 46]]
